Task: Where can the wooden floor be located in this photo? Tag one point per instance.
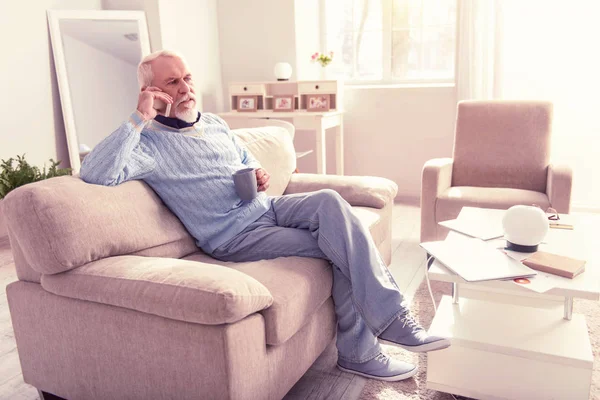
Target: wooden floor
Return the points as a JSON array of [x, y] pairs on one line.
[[322, 381]]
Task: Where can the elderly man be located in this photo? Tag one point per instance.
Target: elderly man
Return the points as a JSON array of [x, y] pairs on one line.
[[188, 158]]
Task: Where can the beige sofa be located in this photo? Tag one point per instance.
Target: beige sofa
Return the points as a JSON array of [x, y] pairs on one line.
[[115, 301]]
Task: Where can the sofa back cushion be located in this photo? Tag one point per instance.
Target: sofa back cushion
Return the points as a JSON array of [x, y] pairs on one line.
[[63, 223], [273, 147]]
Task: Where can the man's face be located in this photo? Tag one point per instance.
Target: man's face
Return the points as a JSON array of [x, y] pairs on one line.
[[171, 75]]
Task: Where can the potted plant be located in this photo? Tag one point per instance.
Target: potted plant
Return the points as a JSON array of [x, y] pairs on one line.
[[12, 176]]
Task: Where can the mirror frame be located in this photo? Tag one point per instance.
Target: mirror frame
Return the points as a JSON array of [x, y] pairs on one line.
[[54, 18]]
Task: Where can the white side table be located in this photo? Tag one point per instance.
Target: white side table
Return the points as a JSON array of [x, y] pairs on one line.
[[512, 343], [319, 122]]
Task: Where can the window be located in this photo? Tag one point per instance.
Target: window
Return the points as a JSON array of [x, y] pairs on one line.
[[390, 41]]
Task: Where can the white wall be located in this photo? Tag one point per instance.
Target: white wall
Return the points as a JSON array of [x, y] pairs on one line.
[[254, 36], [150, 7], [104, 90], [190, 27], [30, 102], [392, 132]]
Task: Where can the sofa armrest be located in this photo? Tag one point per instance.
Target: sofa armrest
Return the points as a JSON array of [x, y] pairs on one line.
[[558, 187], [168, 287], [366, 191], [435, 179]]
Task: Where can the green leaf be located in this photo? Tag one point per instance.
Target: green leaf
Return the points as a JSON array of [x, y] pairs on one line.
[[12, 177]]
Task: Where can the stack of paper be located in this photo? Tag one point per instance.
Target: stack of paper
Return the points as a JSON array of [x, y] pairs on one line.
[[482, 223]]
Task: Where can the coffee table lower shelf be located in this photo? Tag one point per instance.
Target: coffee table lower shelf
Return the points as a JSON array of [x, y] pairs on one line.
[[507, 351]]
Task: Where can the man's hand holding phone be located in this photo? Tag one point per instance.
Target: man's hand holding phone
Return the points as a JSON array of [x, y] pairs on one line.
[[151, 100]]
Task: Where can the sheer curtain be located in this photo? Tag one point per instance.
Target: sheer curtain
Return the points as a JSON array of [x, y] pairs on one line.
[[547, 50], [478, 49]]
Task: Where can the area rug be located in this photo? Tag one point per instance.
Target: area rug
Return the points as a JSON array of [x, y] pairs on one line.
[[414, 388]]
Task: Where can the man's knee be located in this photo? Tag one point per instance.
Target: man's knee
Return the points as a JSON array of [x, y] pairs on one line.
[[331, 198], [329, 195]]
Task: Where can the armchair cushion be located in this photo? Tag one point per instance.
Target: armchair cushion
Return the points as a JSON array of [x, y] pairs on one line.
[[365, 191], [178, 289], [450, 202]]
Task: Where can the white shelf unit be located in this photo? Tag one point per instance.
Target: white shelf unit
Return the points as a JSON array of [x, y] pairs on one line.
[[299, 89]]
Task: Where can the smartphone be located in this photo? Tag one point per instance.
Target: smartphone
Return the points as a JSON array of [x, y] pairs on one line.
[[160, 105]]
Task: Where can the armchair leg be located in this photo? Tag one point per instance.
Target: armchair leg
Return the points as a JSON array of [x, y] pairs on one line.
[[48, 396]]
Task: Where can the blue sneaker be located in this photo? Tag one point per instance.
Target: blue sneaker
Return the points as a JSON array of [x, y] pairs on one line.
[[382, 368], [405, 332]]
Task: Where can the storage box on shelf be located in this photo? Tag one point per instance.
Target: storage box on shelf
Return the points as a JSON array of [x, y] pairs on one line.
[[301, 90]]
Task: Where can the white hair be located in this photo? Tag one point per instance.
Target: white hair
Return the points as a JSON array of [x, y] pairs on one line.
[[144, 71]]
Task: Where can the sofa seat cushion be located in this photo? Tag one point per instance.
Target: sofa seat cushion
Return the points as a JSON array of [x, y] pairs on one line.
[[450, 202], [299, 285], [202, 293]]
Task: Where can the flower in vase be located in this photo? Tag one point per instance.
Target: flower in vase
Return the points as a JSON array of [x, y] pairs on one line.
[[322, 58]]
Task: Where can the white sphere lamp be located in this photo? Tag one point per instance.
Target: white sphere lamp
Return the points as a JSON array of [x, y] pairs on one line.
[[525, 227], [283, 71]]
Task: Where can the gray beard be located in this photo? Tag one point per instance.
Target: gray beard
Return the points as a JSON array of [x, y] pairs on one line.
[[189, 115]]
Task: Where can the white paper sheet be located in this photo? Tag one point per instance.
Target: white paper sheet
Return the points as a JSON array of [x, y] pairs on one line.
[[482, 223]]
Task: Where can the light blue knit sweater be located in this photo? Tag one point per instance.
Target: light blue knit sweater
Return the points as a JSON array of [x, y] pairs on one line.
[[190, 170]]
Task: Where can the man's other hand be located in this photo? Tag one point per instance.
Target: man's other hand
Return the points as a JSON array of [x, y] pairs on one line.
[[146, 101], [262, 179]]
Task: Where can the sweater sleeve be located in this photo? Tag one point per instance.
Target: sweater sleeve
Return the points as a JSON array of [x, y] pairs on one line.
[[247, 157], [120, 157]]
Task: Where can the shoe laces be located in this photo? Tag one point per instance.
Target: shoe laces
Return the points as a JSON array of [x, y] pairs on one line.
[[382, 358], [408, 319]]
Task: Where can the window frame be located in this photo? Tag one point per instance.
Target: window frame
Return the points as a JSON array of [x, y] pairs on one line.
[[386, 33]]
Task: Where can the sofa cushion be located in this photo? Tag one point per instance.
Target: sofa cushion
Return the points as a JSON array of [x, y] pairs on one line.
[[299, 285], [368, 191], [450, 202], [63, 223], [198, 292], [272, 146]]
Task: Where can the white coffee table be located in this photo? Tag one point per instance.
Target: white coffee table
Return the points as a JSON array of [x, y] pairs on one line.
[[511, 343]]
